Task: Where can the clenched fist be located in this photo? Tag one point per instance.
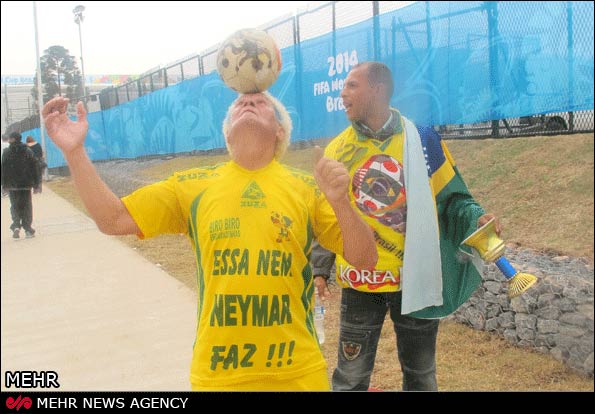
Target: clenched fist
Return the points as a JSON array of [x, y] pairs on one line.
[[332, 177]]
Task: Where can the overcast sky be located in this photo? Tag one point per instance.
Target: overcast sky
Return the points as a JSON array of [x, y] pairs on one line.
[[127, 38]]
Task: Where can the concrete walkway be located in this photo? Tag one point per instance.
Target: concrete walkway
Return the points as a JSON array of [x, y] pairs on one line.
[[88, 307]]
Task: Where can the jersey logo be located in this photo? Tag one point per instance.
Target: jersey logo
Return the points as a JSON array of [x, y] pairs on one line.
[[253, 196], [284, 223]]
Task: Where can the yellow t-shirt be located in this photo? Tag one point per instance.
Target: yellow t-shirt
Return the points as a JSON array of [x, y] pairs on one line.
[[378, 192], [252, 233]]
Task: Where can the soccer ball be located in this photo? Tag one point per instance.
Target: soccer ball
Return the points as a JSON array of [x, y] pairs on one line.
[[249, 61]]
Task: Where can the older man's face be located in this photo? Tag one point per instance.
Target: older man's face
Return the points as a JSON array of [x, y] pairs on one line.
[[253, 113]]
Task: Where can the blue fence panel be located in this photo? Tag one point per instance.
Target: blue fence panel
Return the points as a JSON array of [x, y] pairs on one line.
[[326, 61], [285, 89], [453, 63]]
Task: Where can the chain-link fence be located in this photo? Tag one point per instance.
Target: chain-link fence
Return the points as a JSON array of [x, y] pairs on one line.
[[489, 56], [332, 16]]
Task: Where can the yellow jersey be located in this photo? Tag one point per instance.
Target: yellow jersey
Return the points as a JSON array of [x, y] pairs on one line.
[[252, 233], [378, 193]]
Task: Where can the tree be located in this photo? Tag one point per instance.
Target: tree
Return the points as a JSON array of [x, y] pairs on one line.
[[60, 75]]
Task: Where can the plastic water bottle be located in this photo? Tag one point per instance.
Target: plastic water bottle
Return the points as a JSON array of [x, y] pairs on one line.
[[319, 318]]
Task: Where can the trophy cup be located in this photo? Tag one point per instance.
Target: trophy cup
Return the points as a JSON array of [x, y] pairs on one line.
[[491, 249]]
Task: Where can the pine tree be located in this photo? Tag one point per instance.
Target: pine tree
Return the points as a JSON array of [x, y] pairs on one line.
[[60, 75]]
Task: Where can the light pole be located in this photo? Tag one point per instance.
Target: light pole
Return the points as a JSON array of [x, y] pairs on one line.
[[78, 18], [46, 174]]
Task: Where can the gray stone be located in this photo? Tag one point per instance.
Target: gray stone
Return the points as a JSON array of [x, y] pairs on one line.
[[541, 341], [460, 317], [491, 324], [491, 275], [543, 287], [525, 321], [564, 341], [481, 307], [493, 311], [574, 362], [545, 299], [545, 340], [567, 305], [577, 319], [584, 298], [490, 297], [559, 353], [524, 304], [551, 340], [532, 270], [504, 302], [463, 307], [525, 334], [492, 287], [527, 343], [552, 289], [548, 312], [556, 289], [506, 320], [476, 319], [570, 331], [547, 326], [570, 292], [510, 336], [588, 364], [585, 345], [586, 309]]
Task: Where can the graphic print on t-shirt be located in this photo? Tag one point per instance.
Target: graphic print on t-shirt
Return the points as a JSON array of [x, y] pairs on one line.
[[379, 191]]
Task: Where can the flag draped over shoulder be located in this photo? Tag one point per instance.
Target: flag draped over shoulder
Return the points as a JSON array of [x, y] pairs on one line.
[[456, 213]]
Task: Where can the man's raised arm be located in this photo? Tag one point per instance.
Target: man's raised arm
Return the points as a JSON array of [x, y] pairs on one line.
[[108, 211]]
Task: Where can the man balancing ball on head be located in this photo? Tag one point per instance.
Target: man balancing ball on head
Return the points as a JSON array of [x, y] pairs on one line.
[[251, 222]]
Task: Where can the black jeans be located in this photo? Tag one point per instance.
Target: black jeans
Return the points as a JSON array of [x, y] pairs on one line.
[[21, 209], [362, 317]]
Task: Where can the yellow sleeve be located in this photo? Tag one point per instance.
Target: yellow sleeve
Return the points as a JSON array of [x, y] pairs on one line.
[[156, 210]]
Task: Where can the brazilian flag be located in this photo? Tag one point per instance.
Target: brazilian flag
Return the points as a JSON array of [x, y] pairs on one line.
[[457, 213]]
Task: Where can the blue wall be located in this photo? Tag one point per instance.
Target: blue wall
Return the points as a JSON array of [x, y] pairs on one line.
[[453, 62]]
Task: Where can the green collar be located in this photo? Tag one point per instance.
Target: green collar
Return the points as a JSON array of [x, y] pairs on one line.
[[394, 126]]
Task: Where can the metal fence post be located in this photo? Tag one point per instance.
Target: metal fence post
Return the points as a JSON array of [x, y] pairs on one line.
[[570, 64], [298, 66], [376, 28], [492, 12]]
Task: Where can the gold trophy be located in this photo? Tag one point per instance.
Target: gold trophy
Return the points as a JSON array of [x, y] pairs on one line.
[[491, 248]]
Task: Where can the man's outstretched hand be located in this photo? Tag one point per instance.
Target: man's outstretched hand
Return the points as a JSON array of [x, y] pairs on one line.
[[68, 135]]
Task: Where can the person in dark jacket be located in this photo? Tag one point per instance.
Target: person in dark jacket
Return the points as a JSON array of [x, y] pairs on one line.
[[38, 152], [20, 173]]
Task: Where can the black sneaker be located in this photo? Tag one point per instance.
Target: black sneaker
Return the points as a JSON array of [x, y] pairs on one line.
[[30, 233], [15, 233]]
